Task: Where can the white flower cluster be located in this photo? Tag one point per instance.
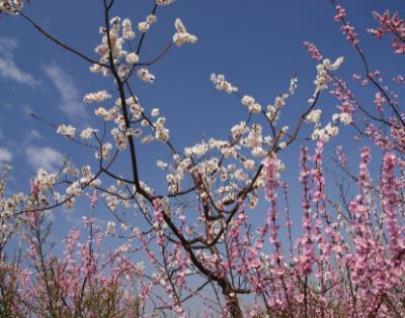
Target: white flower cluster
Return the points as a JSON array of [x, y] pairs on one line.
[[238, 129], [273, 110], [145, 75], [121, 140], [345, 118], [144, 26], [198, 150], [40, 184], [66, 130], [155, 112], [97, 97], [326, 133], [222, 85], [161, 132], [11, 6], [111, 227], [76, 187], [254, 141], [293, 86], [322, 77], [331, 129], [119, 34], [44, 180], [104, 152], [314, 116], [104, 113], [164, 2], [132, 58], [135, 108], [181, 36], [251, 104], [127, 31], [88, 133]]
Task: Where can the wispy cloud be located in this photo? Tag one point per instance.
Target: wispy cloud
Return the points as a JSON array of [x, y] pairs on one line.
[[8, 67], [31, 135], [70, 103], [5, 155], [44, 157]]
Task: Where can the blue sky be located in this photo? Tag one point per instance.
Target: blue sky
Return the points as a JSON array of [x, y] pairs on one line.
[[257, 44]]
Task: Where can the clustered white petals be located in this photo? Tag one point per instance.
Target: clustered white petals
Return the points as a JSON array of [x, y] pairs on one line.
[[97, 97], [104, 152], [144, 26], [251, 104], [121, 140], [11, 6], [164, 2], [323, 69], [326, 133], [222, 85], [273, 110], [238, 130], [314, 116], [119, 34], [161, 132], [88, 133], [181, 36], [345, 118], [66, 130], [145, 75], [127, 31], [155, 112], [111, 228], [132, 58]]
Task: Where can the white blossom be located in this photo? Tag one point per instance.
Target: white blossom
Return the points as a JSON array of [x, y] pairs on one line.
[[145, 75], [144, 26], [155, 112], [221, 84], [322, 77], [127, 32], [164, 2], [103, 113], [345, 118], [282, 145], [324, 134], [111, 226], [105, 151], [96, 97], [162, 165], [132, 58], [66, 130], [11, 6], [314, 116], [251, 104], [181, 36], [120, 138], [87, 133]]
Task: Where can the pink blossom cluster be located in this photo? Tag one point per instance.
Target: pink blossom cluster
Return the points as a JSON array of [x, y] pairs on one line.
[[391, 24]]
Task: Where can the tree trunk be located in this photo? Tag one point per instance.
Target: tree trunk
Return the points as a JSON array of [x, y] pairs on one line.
[[233, 306]]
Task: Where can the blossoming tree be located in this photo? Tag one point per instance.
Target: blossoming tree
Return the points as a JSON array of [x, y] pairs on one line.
[[193, 243]]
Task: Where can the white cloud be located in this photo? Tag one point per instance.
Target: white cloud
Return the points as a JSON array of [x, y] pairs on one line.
[[32, 135], [5, 155], [44, 157], [8, 67], [70, 103], [27, 110]]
